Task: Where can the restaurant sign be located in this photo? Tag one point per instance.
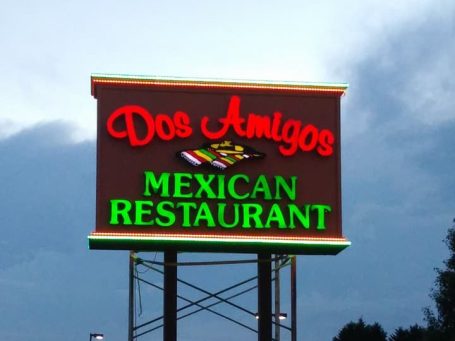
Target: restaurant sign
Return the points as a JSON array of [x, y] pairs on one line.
[[219, 166]]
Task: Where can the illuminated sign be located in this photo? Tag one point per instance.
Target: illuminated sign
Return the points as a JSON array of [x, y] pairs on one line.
[[246, 213], [291, 135], [195, 165]]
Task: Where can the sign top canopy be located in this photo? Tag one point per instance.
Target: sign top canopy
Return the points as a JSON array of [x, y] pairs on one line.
[[129, 81]]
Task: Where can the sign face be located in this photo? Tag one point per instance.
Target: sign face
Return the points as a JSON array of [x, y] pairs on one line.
[[219, 166]]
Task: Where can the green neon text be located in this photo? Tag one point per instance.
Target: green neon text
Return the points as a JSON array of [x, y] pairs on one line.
[[192, 214], [211, 201], [219, 186]]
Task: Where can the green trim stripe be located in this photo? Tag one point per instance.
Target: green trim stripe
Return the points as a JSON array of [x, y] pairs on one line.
[[206, 244]]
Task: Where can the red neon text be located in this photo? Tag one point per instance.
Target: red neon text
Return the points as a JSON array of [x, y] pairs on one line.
[[165, 127], [292, 133]]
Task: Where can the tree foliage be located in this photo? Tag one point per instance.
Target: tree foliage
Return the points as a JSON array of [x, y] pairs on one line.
[[414, 333], [440, 323], [443, 321], [359, 331]]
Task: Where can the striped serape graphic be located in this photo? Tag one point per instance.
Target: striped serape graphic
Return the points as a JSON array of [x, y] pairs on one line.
[[220, 155]]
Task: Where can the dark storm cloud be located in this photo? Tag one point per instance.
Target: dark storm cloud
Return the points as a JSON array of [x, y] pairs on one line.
[[398, 185], [48, 190], [51, 288]]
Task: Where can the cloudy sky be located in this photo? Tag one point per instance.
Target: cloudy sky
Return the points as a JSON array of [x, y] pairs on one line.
[[398, 126]]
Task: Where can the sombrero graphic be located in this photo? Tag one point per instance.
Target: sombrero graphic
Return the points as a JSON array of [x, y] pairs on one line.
[[220, 155]]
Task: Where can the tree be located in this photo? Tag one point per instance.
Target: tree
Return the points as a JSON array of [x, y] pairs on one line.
[[359, 331], [443, 322], [414, 333]]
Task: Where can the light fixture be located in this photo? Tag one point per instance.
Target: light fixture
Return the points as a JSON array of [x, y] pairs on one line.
[[281, 316], [96, 336]]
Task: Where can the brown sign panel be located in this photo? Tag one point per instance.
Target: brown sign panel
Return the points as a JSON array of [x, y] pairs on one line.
[[220, 166]]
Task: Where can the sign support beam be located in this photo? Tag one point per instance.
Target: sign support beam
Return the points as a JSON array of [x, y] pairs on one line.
[[294, 298], [131, 297], [277, 298], [170, 296], [264, 297]]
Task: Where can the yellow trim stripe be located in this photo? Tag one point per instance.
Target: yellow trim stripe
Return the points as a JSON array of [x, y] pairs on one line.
[[130, 80]]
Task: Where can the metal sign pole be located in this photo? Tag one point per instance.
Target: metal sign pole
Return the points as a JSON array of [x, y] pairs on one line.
[[264, 297], [170, 296], [277, 298], [294, 298], [131, 297]]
